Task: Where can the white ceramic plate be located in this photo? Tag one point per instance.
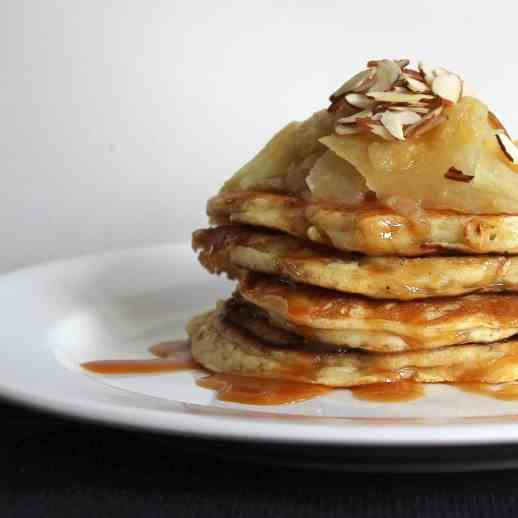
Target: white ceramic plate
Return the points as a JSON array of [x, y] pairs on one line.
[[115, 305]]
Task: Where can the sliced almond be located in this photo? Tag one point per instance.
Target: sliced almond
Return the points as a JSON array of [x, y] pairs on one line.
[[347, 129], [397, 97], [355, 82], [432, 114], [457, 175], [335, 105], [393, 124], [430, 125], [402, 89], [352, 118], [508, 147], [415, 74], [428, 122], [427, 72], [366, 85], [448, 87], [358, 100], [438, 71], [367, 122], [380, 131], [402, 63], [416, 109], [415, 85], [387, 73], [408, 117]]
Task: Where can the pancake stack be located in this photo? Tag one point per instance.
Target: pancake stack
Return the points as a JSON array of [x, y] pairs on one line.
[[359, 289]]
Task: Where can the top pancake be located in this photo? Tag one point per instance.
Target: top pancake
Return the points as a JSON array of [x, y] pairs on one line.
[[231, 248], [372, 230]]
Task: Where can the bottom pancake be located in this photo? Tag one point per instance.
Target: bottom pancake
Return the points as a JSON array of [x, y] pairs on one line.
[[220, 345]]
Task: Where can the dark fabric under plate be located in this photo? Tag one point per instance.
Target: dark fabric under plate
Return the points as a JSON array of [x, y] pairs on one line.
[[55, 467]]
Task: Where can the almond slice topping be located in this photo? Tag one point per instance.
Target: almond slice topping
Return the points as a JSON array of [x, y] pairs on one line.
[[352, 118], [456, 174], [358, 100], [347, 129], [406, 108], [368, 122], [392, 123], [408, 117], [380, 131], [401, 62], [415, 74], [357, 81], [392, 101], [387, 73], [439, 71], [508, 147], [448, 87], [415, 85], [401, 89], [427, 72], [397, 97], [428, 122]]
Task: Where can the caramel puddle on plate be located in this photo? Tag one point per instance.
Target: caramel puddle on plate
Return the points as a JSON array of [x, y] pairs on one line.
[[395, 392], [171, 357], [263, 391], [260, 391], [504, 392], [176, 356]]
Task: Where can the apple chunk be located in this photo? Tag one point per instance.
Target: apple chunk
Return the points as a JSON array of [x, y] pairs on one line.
[[416, 168]]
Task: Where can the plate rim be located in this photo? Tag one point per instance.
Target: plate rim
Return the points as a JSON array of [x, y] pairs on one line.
[[207, 422]]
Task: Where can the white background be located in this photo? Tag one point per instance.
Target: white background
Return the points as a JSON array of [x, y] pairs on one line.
[[118, 119]]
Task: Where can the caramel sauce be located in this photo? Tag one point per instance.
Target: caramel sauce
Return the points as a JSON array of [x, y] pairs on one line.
[[506, 392], [396, 392], [172, 357], [138, 366], [492, 371], [260, 391], [175, 348], [304, 301], [176, 356]]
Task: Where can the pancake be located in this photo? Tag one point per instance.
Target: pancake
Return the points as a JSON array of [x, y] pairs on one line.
[[371, 229], [230, 248], [377, 325], [222, 346]]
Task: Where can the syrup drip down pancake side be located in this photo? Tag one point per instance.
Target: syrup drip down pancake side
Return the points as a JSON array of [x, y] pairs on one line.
[[384, 326]]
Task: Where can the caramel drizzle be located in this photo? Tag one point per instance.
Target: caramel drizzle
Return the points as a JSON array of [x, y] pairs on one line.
[[171, 357], [396, 392], [260, 391], [175, 356]]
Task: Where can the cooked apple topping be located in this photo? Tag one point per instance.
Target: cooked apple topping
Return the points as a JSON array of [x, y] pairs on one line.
[[466, 141], [411, 139]]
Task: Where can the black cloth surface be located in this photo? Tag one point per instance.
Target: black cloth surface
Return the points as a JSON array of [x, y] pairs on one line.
[[56, 467]]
